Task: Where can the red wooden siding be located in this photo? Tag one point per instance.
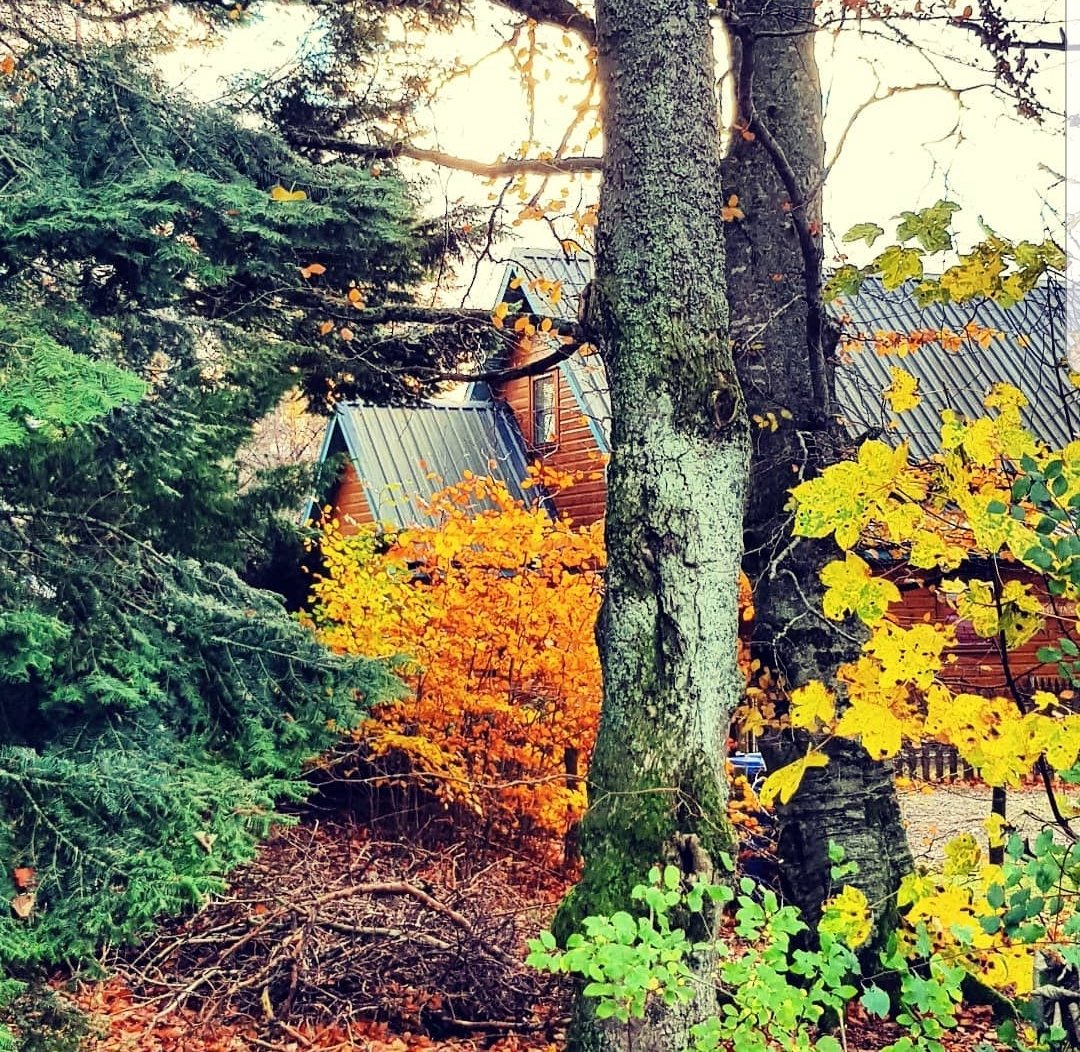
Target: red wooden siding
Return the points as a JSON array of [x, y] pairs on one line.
[[978, 668], [575, 450], [348, 501]]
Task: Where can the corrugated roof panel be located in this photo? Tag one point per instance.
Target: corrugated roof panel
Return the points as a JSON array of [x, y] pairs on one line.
[[401, 454], [588, 381], [1026, 350], [532, 265]]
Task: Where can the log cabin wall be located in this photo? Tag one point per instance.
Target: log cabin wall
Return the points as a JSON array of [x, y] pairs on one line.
[[350, 505], [574, 448], [978, 668]]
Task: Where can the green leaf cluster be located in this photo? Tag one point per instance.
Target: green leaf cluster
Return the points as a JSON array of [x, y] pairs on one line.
[[995, 268]]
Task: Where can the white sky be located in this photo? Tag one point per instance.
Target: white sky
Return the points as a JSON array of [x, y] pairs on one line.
[[905, 152]]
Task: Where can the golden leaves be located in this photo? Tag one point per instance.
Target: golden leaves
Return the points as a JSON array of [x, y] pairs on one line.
[[847, 497], [876, 726], [847, 917], [901, 394], [283, 196], [731, 211], [493, 604], [850, 587], [784, 783], [812, 705]]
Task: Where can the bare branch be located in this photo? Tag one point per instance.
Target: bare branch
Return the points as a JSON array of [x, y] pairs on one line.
[[518, 372], [418, 315], [119, 17], [488, 170], [570, 335], [559, 13], [880, 96], [988, 39]]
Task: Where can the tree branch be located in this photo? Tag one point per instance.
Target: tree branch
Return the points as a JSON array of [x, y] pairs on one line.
[[488, 170], [409, 313], [518, 372], [560, 13], [119, 17], [991, 41], [570, 334], [882, 95]]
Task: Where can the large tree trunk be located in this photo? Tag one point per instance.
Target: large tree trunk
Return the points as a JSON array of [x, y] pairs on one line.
[[784, 347], [677, 480]]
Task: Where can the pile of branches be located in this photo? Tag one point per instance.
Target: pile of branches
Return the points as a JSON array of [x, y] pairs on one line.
[[333, 924]]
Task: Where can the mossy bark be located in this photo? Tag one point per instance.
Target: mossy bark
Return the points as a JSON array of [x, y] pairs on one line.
[[784, 349], [676, 482]]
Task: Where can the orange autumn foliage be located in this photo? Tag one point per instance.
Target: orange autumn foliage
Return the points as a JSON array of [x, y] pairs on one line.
[[488, 614]]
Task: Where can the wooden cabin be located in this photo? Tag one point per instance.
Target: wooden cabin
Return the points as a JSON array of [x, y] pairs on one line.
[[394, 458], [562, 417]]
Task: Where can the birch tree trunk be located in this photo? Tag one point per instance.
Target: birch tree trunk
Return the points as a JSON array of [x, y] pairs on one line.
[[676, 482], [784, 349]]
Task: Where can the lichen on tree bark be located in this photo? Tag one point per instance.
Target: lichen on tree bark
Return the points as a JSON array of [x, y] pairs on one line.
[[677, 478], [783, 347]]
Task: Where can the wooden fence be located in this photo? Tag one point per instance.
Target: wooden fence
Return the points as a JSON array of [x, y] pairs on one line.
[[932, 762]]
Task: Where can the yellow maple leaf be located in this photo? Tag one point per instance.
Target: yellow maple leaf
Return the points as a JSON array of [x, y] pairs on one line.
[[962, 855], [783, 784], [279, 193], [929, 549], [1004, 396], [850, 586], [1063, 746], [974, 602], [907, 655], [847, 917], [876, 726], [902, 392], [1009, 966], [1021, 613], [811, 705]]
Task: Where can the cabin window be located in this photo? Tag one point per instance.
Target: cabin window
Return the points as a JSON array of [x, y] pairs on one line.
[[545, 410]]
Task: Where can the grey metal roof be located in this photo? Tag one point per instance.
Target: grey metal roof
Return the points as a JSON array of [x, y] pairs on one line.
[[535, 265], [402, 453], [1027, 350]]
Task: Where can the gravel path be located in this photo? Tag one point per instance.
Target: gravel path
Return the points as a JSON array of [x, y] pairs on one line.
[[933, 818]]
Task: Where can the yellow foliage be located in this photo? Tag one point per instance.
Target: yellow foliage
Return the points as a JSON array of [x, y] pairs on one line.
[[879, 730], [812, 705], [1020, 614], [782, 784], [948, 907], [850, 586], [280, 194], [489, 615], [847, 917], [901, 394]]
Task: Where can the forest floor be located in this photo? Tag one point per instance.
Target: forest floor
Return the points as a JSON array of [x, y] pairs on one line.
[[339, 938]]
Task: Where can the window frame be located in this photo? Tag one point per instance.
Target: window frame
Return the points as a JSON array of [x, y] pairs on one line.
[[538, 441]]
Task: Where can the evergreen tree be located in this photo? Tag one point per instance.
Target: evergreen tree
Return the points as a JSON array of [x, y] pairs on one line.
[[158, 299]]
